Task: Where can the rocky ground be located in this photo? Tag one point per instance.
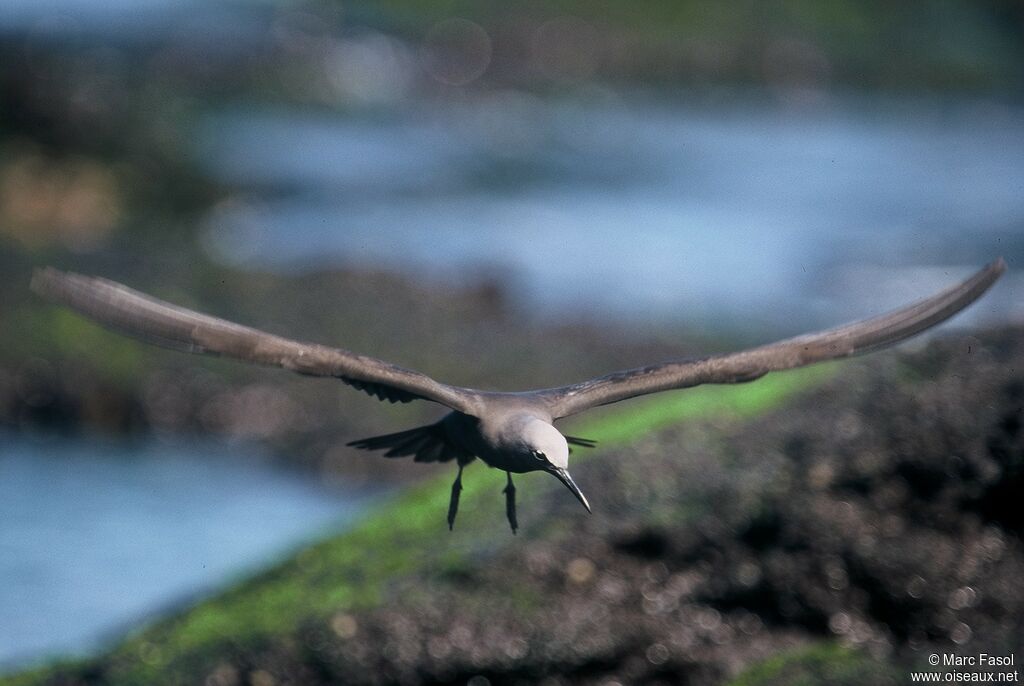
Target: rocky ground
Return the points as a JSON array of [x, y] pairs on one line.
[[840, 539]]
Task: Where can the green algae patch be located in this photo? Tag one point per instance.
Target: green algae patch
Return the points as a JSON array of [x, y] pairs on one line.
[[64, 335], [822, 664]]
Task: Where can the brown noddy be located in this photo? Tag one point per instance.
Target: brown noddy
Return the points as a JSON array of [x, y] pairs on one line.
[[513, 432]]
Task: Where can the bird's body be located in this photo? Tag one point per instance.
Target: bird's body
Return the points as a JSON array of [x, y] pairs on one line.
[[508, 435], [516, 436], [497, 439], [513, 432]]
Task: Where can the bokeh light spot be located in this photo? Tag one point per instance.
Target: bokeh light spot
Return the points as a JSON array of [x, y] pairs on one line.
[[456, 51]]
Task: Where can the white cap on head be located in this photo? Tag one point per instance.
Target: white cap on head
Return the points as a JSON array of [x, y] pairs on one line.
[[543, 437]]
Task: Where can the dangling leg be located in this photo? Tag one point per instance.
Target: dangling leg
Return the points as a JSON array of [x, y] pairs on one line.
[[510, 503], [453, 504]]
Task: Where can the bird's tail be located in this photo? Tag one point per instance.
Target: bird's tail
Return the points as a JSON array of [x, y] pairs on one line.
[[428, 443], [581, 442]]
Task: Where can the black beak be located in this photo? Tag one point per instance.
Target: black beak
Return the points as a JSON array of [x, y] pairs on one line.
[[563, 476]]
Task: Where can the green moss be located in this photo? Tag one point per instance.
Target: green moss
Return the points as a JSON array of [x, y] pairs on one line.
[[824, 663], [63, 335]]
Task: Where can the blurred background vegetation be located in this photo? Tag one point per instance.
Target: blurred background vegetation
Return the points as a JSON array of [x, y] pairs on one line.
[[500, 195]]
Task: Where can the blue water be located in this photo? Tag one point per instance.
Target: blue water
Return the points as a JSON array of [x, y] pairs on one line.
[[738, 214], [96, 537]]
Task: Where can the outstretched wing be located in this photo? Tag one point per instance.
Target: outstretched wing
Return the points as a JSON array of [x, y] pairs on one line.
[[844, 341], [127, 311]]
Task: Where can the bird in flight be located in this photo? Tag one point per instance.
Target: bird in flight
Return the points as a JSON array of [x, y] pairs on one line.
[[511, 431]]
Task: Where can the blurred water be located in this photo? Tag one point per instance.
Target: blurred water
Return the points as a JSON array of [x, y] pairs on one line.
[[117, 22], [95, 537], [730, 215]]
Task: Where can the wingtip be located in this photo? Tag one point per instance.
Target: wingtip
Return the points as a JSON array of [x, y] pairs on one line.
[[51, 283], [989, 274]]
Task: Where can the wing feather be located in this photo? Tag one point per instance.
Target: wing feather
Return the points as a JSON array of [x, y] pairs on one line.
[[844, 341], [133, 313]]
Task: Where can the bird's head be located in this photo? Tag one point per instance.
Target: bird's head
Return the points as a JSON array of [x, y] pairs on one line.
[[551, 451]]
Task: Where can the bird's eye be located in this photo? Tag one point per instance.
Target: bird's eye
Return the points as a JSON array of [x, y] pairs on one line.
[[540, 456]]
